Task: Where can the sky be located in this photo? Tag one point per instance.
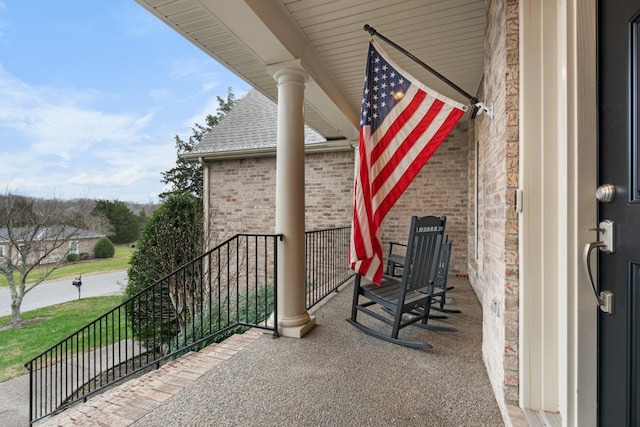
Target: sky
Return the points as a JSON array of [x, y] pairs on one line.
[[92, 94]]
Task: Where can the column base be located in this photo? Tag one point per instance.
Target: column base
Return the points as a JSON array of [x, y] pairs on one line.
[[297, 331], [294, 331]]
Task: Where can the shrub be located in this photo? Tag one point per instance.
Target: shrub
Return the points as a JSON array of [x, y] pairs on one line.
[[83, 256], [72, 257], [172, 237], [208, 327], [104, 248]]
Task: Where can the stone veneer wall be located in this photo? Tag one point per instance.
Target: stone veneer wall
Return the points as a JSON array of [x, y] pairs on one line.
[[494, 274], [243, 195]]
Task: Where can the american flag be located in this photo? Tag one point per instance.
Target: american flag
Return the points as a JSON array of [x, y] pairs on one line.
[[402, 124]]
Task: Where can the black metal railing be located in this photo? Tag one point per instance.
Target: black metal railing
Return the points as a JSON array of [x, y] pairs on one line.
[[231, 287], [326, 256]]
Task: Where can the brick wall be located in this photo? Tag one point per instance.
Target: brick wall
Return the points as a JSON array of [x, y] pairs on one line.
[[88, 246], [495, 274], [441, 188], [243, 194], [328, 190]]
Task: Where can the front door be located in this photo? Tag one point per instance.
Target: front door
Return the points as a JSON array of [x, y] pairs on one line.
[[619, 164]]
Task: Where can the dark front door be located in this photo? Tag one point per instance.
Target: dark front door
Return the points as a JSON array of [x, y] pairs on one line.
[[619, 164]]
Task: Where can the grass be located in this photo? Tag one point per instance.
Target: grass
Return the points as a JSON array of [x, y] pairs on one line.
[[120, 261], [18, 346]]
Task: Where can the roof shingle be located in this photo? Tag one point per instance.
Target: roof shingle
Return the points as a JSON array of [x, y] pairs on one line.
[[251, 124]]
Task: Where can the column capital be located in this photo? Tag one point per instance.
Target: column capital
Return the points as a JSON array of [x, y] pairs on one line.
[[290, 70]]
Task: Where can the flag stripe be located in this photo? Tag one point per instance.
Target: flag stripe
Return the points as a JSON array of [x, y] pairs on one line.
[[389, 129], [402, 182], [405, 164], [404, 153]]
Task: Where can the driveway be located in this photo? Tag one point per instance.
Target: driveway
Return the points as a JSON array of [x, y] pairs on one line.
[[59, 291], [14, 402]]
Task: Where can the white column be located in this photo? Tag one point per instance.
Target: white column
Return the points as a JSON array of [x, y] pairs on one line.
[[293, 319]]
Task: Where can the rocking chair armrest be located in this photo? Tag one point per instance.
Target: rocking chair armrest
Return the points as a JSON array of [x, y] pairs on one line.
[[395, 260], [392, 244]]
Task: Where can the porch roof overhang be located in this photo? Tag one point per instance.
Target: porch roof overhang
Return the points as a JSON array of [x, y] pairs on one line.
[[327, 36]]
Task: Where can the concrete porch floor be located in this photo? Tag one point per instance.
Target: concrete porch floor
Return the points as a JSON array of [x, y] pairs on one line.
[[334, 376]]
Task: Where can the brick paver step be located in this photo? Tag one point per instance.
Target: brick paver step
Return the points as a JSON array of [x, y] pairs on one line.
[[125, 403]]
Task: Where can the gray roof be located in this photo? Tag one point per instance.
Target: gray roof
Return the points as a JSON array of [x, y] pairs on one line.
[[251, 124], [45, 233]]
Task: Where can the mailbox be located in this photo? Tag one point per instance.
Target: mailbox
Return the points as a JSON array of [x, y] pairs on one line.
[[77, 282]]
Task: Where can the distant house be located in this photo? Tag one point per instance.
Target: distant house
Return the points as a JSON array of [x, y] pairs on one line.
[[239, 166], [51, 244]]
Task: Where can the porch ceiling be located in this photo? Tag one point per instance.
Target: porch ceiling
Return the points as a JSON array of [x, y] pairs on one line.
[[328, 37]]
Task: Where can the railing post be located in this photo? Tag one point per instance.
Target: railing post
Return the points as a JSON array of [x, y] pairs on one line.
[[276, 334], [29, 366]]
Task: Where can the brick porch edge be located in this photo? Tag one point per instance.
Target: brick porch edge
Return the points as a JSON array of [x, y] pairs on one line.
[[133, 399]]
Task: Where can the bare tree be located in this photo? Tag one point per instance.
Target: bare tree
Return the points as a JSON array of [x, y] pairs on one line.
[[35, 237]]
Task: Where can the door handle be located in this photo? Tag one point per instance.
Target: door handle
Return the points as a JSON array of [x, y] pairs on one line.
[[607, 246]]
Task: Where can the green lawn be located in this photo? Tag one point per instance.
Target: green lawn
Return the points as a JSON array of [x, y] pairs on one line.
[[18, 346], [120, 261]]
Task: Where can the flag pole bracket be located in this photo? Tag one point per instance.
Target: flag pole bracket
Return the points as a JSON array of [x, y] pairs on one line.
[[481, 108]]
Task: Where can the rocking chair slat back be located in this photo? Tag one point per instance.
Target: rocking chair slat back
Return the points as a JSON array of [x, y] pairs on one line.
[[423, 249]]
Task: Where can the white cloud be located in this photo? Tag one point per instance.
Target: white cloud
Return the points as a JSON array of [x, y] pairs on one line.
[[67, 131], [138, 22], [209, 86], [202, 70], [3, 23], [118, 177], [190, 67], [76, 148], [159, 93], [211, 107]]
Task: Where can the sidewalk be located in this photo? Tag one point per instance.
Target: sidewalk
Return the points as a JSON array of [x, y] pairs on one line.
[[14, 402]]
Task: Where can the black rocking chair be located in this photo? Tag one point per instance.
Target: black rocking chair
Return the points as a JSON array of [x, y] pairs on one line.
[[440, 283], [395, 262], [408, 298], [438, 290]]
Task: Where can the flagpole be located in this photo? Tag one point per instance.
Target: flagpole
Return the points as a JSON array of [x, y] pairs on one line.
[[472, 99]]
